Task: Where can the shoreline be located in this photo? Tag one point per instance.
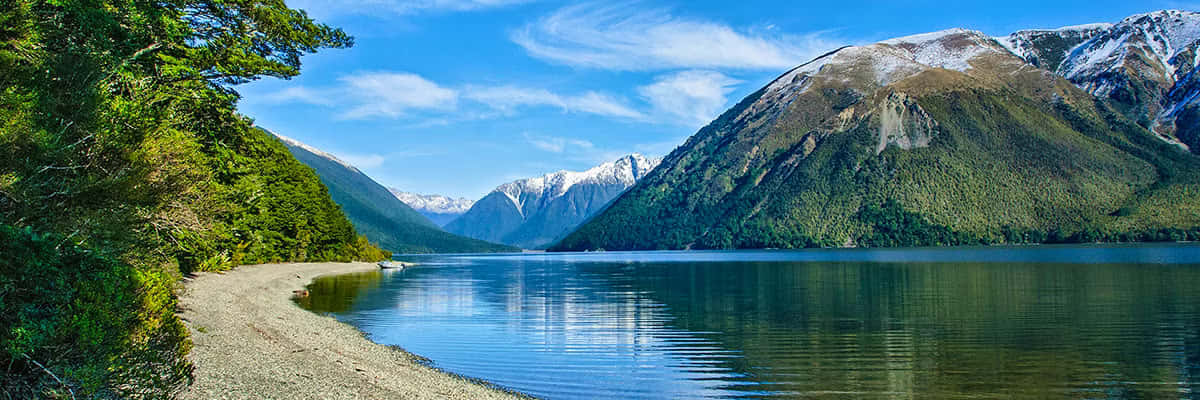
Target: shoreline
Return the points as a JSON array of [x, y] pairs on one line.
[[251, 341]]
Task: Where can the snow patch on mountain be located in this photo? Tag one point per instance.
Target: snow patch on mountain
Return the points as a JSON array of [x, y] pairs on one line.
[[1159, 35], [1080, 28], [625, 170], [314, 150], [1029, 44], [433, 203], [894, 60], [948, 49]]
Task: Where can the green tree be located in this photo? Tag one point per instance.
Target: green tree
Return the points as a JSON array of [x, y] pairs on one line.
[[125, 162]]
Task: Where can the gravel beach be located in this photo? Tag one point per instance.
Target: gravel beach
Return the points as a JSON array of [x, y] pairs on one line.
[[253, 342]]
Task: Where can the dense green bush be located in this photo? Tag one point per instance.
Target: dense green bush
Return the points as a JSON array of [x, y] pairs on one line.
[[893, 226], [124, 163], [75, 323]]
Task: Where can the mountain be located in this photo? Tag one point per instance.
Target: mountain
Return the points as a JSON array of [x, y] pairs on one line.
[[1144, 66], [439, 209], [378, 214], [532, 213], [936, 139]]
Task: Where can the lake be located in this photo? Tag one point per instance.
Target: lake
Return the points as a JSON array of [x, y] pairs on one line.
[[1119, 322]]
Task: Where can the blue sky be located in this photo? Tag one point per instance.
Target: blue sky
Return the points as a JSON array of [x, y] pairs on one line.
[[455, 97]]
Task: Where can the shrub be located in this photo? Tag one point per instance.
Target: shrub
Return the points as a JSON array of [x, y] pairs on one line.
[[80, 324]]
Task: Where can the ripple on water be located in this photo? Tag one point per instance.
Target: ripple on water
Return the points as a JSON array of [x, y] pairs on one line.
[[1060, 322]]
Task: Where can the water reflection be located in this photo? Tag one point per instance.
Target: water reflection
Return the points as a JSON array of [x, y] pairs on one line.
[[336, 294], [616, 327]]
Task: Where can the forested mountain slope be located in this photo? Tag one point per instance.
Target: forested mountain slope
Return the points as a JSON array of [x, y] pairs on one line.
[[936, 139], [439, 209], [378, 214]]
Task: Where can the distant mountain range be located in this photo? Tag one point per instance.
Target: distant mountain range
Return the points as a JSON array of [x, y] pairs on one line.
[[439, 209], [532, 213], [378, 214], [1144, 66], [954, 137]]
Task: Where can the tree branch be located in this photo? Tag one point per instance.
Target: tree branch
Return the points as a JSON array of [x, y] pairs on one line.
[[52, 375]]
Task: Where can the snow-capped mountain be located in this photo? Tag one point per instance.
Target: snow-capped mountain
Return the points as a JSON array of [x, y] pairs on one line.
[[315, 151], [1144, 65], [1047, 48], [439, 209], [950, 137], [862, 83], [376, 213], [890, 61], [533, 212], [529, 195]]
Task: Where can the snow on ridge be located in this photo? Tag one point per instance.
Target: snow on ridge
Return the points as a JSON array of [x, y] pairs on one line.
[[1160, 34], [434, 203], [896, 59], [1171, 32], [625, 170], [943, 50], [1094, 54], [922, 38], [1020, 43], [1083, 27], [1160, 13], [808, 68], [314, 150], [1072, 28]]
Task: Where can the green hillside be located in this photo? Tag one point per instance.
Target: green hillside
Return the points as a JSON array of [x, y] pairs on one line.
[[382, 217], [998, 153], [125, 166]]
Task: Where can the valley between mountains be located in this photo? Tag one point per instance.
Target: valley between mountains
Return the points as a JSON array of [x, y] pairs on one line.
[[1078, 134]]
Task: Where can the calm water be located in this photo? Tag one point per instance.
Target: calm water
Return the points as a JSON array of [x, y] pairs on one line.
[[1044, 322]]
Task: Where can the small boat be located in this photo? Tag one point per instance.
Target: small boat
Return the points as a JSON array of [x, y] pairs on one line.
[[394, 265]]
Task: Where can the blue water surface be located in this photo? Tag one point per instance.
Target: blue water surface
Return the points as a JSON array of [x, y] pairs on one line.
[[994, 322]]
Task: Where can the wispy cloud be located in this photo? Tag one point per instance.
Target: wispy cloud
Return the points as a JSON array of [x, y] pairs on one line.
[[298, 94], [508, 99], [626, 36], [393, 95], [362, 161], [596, 103], [692, 98], [557, 144], [398, 7]]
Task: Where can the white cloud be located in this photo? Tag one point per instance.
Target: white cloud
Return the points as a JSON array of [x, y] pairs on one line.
[[299, 94], [397, 7], [557, 144], [509, 98], [617, 36], [392, 94], [362, 161], [692, 98], [596, 103]]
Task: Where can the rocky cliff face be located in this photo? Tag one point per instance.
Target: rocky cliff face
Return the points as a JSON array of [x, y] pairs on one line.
[[1144, 66]]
